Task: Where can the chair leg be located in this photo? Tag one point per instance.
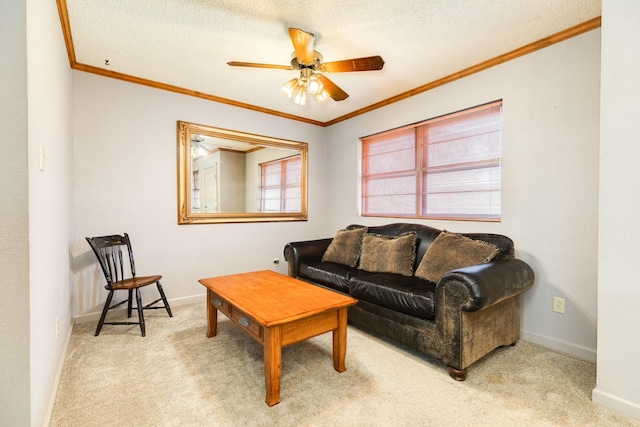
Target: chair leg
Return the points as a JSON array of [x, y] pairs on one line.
[[164, 299], [129, 303], [140, 311], [107, 304]]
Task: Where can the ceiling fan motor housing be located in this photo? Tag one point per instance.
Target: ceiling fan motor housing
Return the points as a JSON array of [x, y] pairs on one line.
[[298, 65]]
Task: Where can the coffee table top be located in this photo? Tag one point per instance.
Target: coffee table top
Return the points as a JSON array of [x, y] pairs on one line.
[[273, 298]]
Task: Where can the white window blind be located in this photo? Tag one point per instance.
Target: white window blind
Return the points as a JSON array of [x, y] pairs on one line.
[[444, 168], [280, 189]]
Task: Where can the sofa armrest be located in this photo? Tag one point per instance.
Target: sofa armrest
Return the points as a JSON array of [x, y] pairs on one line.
[[307, 251], [478, 310], [481, 286]]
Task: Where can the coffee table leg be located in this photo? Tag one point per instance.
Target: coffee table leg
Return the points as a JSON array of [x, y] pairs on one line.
[[272, 363], [340, 341], [212, 317]]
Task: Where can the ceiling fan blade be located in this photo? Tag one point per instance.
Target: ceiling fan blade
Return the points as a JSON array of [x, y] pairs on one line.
[[256, 65], [303, 45], [368, 63], [332, 89]]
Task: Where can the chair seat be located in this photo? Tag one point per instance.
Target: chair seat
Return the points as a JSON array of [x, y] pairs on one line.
[[136, 282]]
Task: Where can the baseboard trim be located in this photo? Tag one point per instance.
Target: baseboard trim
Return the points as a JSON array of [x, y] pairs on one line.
[[615, 403], [562, 346], [95, 315], [56, 381]]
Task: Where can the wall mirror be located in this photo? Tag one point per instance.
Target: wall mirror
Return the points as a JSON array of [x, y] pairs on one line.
[[230, 176]]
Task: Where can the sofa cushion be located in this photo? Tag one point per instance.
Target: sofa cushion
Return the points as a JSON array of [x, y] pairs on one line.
[[384, 254], [406, 294], [332, 275], [345, 247], [450, 251]]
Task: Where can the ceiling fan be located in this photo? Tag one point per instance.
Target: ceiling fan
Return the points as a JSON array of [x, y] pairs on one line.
[[312, 69], [199, 147]]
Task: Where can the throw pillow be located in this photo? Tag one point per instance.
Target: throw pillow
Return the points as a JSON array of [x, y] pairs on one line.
[[383, 254], [345, 247], [450, 251]]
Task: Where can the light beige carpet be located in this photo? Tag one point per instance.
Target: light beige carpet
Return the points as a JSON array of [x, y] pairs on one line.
[[176, 376]]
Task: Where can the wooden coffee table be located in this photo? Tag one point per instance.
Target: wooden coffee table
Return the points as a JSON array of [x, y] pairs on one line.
[[276, 311]]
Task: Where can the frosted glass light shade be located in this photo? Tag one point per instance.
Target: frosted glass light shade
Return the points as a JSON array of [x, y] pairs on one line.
[[322, 95], [290, 87], [300, 96], [315, 86]]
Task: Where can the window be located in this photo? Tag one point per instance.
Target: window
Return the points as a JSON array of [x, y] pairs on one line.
[[443, 168], [280, 189], [195, 195]]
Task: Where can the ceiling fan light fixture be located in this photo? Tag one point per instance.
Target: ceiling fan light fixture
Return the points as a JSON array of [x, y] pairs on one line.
[[314, 85], [197, 148], [290, 87], [322, 95], [300, 96], [296, 88]]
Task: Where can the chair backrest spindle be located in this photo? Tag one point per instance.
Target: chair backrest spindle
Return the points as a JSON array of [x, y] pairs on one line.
[[131, 262], [119, 264]]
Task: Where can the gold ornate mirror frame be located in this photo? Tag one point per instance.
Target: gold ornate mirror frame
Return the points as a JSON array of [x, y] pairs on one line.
[[245, 188]]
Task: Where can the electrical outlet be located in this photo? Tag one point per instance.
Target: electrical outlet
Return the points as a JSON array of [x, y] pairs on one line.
[[276, 261], [558, 305], [57, 327]]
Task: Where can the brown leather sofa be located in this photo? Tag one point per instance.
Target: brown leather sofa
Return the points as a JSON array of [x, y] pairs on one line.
[[458, 318]]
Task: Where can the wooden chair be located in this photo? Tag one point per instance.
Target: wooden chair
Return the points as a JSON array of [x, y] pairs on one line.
[[108, 249]]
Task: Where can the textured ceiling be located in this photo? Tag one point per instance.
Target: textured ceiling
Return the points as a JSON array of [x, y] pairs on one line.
[[187, 43]]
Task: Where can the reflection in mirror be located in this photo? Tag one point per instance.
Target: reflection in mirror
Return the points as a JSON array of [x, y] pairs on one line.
[[229, 176]]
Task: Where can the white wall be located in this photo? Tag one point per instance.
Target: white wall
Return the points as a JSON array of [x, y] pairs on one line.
[[550, 176], [50, 200], [14, 227], [618, 291], [36, 205], [126, 181]]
